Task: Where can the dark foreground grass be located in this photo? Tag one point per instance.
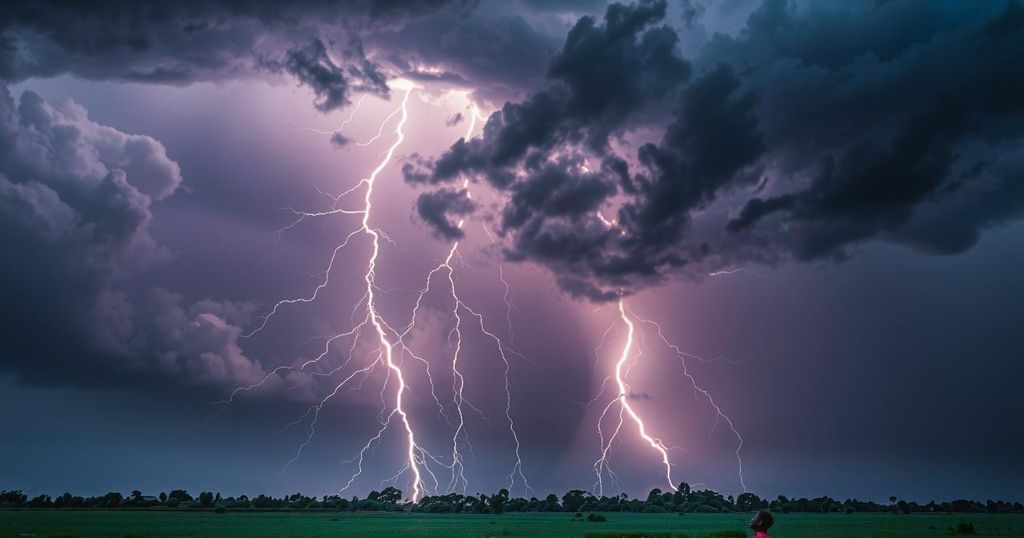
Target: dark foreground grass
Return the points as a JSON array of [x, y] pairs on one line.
[[255, 525]]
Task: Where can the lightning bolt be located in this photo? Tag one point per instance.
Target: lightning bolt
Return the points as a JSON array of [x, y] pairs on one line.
[[345, 122], [719, 414], [375, 317], [391, 343], [601, 465], [625, 408], [385, 356], [459, 307], [728, 272]]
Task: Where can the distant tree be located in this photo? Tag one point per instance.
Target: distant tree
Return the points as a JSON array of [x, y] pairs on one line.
[[179, 494], [112, 499], [13, 497], [573, 500], [654, 497], [206, 499], [497, 501], [747, 502], [390, 495], [163, 497], [64, 501], [551, 503]]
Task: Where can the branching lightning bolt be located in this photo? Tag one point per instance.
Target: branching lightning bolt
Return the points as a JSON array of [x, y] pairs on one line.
[[391, 343], [719, 414], [623, 397], [456, 466], [601, 465], [415, 455], [374, 316]]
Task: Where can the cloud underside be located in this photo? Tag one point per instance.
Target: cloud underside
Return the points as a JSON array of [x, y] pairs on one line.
[[810, 132], [316, 42]]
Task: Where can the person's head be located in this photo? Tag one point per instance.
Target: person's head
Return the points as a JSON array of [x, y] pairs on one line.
[[762, 521]]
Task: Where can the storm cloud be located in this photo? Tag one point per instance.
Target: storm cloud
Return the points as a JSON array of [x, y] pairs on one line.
[[185, 42], [813, 136], [75, 210], [435, 207]]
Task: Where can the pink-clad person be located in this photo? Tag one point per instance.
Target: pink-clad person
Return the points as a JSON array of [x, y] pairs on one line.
[[761, 522]]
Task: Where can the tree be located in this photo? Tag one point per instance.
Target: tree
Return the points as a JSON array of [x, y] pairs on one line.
[[112, 499], [163, 497], [390, 495], [179, 494], [14, 497], [498, 500], [573, 500], [747, 502], [206, 499], [654, 497]]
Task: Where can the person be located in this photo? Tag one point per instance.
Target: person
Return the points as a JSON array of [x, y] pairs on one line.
[[761, 522]]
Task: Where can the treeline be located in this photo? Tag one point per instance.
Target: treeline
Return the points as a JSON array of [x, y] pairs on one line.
[[683, 500]]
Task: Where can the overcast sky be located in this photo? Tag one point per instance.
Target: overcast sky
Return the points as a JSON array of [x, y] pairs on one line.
[[819, 202]]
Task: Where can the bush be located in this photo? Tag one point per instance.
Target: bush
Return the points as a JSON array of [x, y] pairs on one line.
[[219, 510], [655, 509], [965, 528], [632, 534], [173, 502], [596, 518]]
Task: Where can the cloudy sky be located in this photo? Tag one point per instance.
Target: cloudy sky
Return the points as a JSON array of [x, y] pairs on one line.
[[818, 203]]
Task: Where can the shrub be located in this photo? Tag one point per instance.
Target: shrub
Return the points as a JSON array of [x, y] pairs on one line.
[[596, 518], [965, 527], [633, 534], [655, 509]]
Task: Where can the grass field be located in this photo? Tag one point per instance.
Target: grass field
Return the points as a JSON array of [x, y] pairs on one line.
[[255, 525]]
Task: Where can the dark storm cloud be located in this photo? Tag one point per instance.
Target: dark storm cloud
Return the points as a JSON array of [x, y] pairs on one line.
[[434, 208], [714, 136], [603, 76], [183, 42], [331, 83], [892, 131], [496, 54], [830, 124], [75, 209]]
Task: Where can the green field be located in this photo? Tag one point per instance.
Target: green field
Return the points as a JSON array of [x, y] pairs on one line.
[[256, 524]]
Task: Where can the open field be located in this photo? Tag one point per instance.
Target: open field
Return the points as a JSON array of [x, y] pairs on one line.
[[256, 524]]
